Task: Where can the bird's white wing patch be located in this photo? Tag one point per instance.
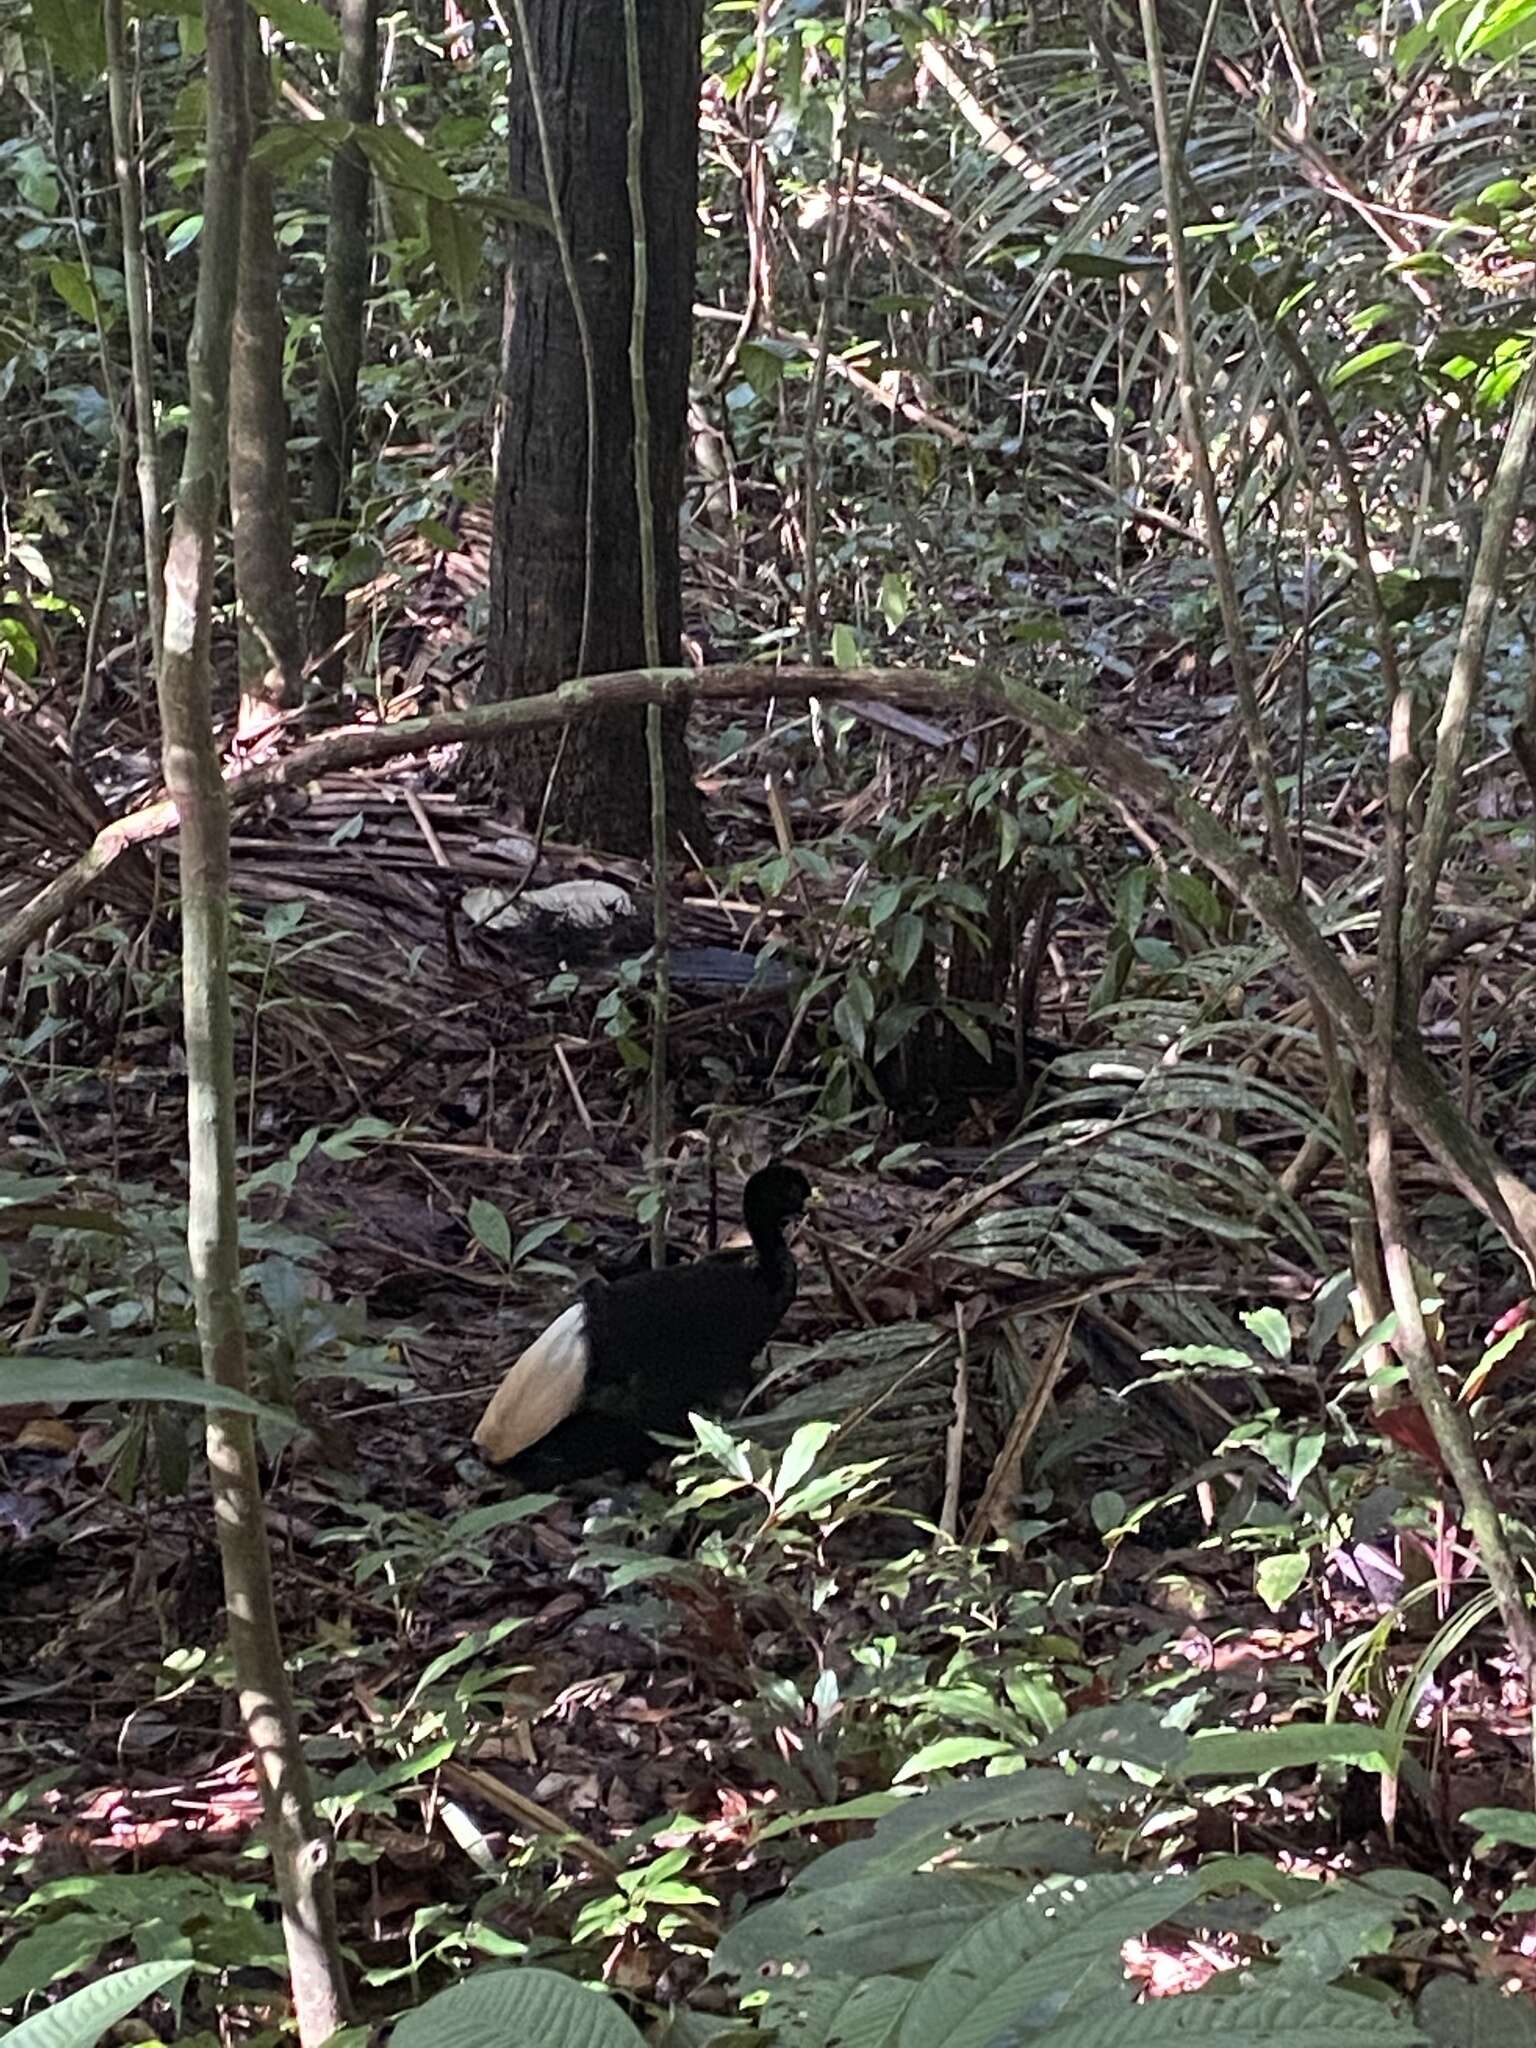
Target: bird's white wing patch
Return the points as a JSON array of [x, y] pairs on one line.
[[542, 1388]]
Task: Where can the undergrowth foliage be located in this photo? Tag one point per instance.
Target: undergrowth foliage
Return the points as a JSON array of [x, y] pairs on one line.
[[1060, 1625]]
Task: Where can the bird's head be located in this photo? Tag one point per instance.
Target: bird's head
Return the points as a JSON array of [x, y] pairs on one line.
[[775, 1196]]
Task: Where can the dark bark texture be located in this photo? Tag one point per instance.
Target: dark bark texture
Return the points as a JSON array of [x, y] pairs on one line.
[[261, 507], [344, 295], [540, 551]]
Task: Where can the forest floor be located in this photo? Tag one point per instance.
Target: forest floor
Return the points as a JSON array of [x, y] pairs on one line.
[[406, 1070]]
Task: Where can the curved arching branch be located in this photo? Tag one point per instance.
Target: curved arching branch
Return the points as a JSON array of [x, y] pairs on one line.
[[1103, 760]]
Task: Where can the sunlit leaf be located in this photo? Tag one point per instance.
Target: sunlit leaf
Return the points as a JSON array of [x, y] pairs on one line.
[[401, 161], [302, 23], [74, 35]]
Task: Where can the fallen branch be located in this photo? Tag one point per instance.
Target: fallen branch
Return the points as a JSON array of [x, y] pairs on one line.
[[1103, 760]]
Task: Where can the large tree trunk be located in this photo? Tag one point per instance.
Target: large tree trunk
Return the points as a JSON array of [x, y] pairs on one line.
[[541, 547]]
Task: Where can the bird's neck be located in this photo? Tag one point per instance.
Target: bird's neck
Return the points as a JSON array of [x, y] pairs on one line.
[[770, 1254]]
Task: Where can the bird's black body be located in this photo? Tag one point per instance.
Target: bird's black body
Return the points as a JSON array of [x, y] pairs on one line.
[[652, 1347], [684, 1337]]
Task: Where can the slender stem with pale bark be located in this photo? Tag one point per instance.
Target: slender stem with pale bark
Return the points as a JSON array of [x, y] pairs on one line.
[[645, 513], [1501, 508], [1449, 1423], [1354, 507], [1192, 410], [130, 199], [343, 299], [834, 253], [300, 1850]]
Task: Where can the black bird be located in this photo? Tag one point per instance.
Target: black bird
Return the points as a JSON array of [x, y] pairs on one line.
[[635, 1357]]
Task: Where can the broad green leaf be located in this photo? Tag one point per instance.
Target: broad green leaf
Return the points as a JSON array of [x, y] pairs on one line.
[[74, 288], [866, 1806], [894, 1025], [906, 942], [474, 1645], [497, 1514], [845, 648], [1250, 1752], [80, 2020], [58, 1948], [292, 148], [1294, 1456], [19, 647], [125, 1379], [537, 1236], [971, 1029], [495, 2008], [762, 367], [923, 1828], [1130, 1733], [1422, 263], [359, 565], [1032, 1956], [1108, 1509], [835, 2012], [1271, 1328], [884, 904], [850, 1023], [184, 234], [721, 1446], [489, 1227], [352, 1140], [400, 161], [1278, 1579], [1498, 1824], [301, 22], [870, 1925], [800, 1455], [24, 1795], [362, 1781], [949, 1752], [1374, 358], [73, 33], [1458, 2014], [1509, 21], [1238, 2014], [1324, 1935], [282, 920], [454, 237], [846, 1483]]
